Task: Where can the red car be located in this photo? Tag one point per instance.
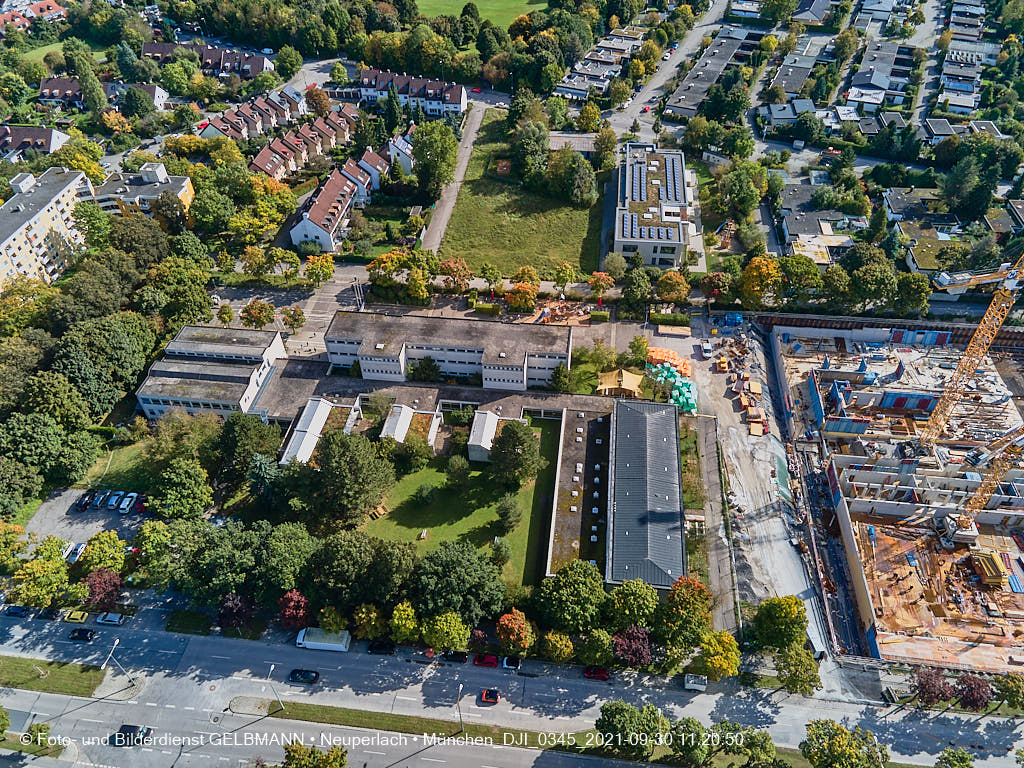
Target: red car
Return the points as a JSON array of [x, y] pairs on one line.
[[597, 673], [490, 696], [485, 660], [477, 90], [646, 109]]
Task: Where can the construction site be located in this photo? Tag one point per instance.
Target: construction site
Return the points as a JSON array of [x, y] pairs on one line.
[[917, 445]]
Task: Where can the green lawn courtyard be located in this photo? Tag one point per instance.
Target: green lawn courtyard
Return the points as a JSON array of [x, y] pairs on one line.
[[501, 223], [469, 515], [501, 12], [37, 54]]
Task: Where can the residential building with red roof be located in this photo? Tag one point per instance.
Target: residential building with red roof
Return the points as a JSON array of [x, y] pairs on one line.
[[325, 216]]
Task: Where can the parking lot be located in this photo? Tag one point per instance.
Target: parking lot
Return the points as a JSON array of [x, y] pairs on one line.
[[58, 517]]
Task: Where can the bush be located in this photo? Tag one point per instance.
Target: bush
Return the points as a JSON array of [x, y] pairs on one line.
[[493, 310], [599, 316], [670, 318], [425, 494]]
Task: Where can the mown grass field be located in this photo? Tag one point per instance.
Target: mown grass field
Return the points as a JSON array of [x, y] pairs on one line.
[[37, 54], [469, 515], [49, 676], [508, 226], [501, 12]]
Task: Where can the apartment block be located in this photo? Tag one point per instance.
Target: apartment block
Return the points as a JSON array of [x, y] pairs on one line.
[[128, 193], [436, 97], [36, 230]]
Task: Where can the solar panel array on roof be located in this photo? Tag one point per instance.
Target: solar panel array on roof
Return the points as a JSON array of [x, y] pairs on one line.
[[634, 227], [625, 225], [643, 182], [634, 177]]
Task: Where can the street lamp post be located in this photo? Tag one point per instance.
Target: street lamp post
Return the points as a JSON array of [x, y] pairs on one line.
[[458, 707], [272, 688], [112, 657]]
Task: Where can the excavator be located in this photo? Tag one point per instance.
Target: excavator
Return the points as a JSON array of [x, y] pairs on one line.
[[994, 459]]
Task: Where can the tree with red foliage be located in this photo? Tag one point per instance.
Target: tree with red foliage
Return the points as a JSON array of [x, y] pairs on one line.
[[295, 611], [515, 632], [685, 616], [104, 589], [235, 611], [477, 640], [456, 272], [973, 692], [632, 646], [931, 686]]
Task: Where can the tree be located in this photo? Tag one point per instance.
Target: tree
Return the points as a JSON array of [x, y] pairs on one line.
[[557, 647], [295, 611], [561, 380], [515, 632], [931, 686], [234, 612], [354, 478], [632, 646], [515, 455], [565, 273], [638, 287], [318, 101], [297, 755], [596, 649], [211, 210], [836, 286], [339, 74], [392, 109], [369, 624], [629, 732], [457, 274], [600, 283], [615, 266], [633, 602], [12, 544], [457, 472], [684, 617], [435, 152], [589, 119], [830, 745], [405, 627], [256, 314], [182, 490], [490, 274], [912, 292], [509, 513], [93, 223], [1010, 688], [104, 587], [43, 580], [5, 721], [287, 62], [571, 600], [293, 318], [954, 757], [761, 277], [618, 91], [51, 394], [781, 622], [319, 268], [797, 670], [719, 655], [456, 577], [242, 437], [973, 692], [445, 632], [673, 287], [801, 277], [103, 550]]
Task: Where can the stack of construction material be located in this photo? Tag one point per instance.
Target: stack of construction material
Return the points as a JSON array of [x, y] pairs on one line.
[[665, 366]]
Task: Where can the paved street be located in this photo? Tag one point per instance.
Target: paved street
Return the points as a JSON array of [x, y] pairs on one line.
[[924, 37]]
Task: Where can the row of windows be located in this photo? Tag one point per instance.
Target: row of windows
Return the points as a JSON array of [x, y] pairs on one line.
[[184, 403], [383, 371]]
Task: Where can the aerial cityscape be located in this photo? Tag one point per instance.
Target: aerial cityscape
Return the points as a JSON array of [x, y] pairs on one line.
[[512, 383]]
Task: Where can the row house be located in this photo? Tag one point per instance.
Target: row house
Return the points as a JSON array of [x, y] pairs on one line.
[[435, 97], [64, 92], [399, 149], [115, 91], [883, 77], [15, 140], [256, 117], [324, 218], [21, 18], [292, 151], [213, 60]]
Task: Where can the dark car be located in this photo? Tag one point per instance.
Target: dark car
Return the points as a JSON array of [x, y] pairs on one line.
[[485, 660], [82, 635], [84, 500], [131, 735], [382, 647], [511, 662], [490, 696], [140, 504], [303, 676], [456, 657], [100, 499], [48, 614], [596, 673], [19, 611]]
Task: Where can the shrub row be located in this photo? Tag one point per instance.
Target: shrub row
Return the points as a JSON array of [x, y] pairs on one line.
[[670, 318]]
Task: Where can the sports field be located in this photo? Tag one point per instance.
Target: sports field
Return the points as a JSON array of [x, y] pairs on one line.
[[500, 12]]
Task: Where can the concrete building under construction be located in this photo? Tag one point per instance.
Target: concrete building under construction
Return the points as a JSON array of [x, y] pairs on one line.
[[928, 584]]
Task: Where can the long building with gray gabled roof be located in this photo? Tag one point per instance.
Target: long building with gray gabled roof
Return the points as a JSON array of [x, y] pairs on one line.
[[646, 535]]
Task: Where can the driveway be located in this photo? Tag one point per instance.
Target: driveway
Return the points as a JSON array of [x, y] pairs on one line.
[[444, 206]]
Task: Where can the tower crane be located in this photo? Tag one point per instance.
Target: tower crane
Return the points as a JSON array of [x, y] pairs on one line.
[[996, 458], [996, 314]]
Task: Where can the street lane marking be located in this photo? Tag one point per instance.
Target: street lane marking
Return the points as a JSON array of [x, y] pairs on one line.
[[87, 720], [163, 651], [371, 752], [432, 760], [150, 704], [190, 708], [406, 698], [226, 658], [170, 706]]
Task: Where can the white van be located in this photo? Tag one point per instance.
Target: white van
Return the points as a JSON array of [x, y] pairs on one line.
[[695, 682]]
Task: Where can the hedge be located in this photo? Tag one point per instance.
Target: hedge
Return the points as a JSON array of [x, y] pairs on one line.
[[599, 316], [487, 309], [670, 318]]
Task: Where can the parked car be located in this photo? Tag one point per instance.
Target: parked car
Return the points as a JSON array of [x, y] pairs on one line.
[[115, 499], [706, 349], [490, 696], [666, 56], [48, 614], [76, 554], [478, 89], [382, 647], [646, 108], [596, 673], [456, 657], [511, 662], [127, 503], [140, 503], [485, 660], [82, 635], [84, 500], [76, 617], [18, 611], [68, 549], [111, 619], [131, 735], [308, 676], [101, 498]]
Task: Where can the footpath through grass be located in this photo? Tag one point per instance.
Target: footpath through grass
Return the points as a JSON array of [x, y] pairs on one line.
[[508, 226], [49, 676]]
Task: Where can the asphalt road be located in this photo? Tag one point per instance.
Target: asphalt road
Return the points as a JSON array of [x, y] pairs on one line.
[[188, 681]]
